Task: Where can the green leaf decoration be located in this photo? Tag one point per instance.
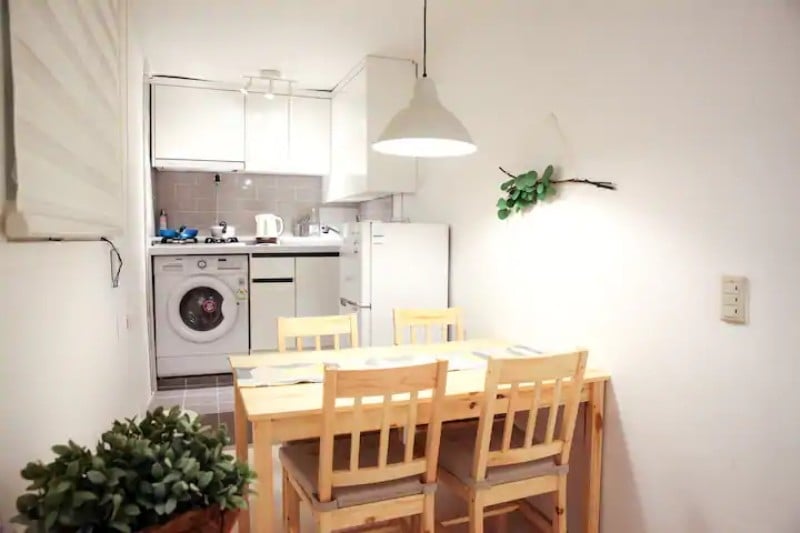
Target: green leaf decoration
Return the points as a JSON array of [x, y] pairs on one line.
[[73, 469], [131, 509], [60, 449], [145, 487], [238, 502], [523, 191], [530, 178], [26, 503], [204, 478], [96, 477], [171, 477], [159, 491], [116, 501], [82, 496], [141, 473], [179, 488], [157, 471], [50, 520]]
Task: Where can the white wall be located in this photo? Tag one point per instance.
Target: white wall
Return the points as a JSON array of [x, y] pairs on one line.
[[68, 365], [693, 108]]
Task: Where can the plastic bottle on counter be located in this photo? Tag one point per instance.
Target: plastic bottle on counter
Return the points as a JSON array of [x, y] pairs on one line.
[[162, 220], [313, 222]]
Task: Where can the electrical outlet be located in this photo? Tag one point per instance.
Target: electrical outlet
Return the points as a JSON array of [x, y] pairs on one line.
[[734, 299]]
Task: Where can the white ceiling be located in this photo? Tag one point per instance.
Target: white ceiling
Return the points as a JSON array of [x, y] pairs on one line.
[[313, 41]]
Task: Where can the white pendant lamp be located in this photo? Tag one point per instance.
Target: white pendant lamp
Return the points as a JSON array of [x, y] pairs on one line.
[[425, 128]]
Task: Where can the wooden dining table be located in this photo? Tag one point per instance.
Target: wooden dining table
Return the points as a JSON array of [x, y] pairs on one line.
[[281, 413]]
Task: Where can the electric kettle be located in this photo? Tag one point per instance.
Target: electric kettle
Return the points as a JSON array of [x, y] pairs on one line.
[[268, 226]]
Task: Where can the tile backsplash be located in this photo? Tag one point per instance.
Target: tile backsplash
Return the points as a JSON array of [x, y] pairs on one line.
[[189, 198], [378, 209]]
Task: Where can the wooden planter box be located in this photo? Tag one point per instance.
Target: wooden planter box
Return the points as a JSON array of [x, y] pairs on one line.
[[209, 520]]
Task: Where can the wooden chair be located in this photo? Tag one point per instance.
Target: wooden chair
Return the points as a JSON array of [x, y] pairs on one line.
[[368, 477], [317, 327], [502, 463], [412, 319]]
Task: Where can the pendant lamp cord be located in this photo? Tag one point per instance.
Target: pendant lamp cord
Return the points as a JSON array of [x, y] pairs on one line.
[[425, 39]]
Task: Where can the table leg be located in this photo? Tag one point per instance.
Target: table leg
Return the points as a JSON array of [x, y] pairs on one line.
[[262, 449], [595, 413], [240, 438]]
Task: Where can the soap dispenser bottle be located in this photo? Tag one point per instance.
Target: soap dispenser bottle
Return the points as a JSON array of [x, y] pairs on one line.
[[162, 220]]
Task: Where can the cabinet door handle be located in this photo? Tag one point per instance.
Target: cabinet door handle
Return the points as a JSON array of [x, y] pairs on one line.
[[273, 280]]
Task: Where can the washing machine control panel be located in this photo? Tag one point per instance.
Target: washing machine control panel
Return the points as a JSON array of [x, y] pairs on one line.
[[209, 265]]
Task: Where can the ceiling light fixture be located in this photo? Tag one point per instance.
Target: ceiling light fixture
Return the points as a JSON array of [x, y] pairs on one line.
[[425, 128], [270, 94]]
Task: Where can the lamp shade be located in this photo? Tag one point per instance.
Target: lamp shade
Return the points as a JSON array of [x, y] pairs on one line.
[[425, 128]]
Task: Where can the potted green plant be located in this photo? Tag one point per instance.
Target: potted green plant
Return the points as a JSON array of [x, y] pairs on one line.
[[164, 474]]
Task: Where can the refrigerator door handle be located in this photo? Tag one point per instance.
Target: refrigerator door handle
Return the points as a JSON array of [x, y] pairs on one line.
[[350, 303]]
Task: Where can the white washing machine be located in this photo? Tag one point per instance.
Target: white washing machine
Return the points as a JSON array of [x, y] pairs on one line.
[[201, 313]]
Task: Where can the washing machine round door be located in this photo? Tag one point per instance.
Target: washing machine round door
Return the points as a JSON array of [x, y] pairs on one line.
[[202, 309]]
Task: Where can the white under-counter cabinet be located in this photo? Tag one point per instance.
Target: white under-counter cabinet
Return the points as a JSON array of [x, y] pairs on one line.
[[317, 279], [304, 284], [362, 106], [287, 135], [272, 295], [197, 128]]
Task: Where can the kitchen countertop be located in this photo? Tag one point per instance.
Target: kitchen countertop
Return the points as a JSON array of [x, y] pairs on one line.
[[248, 245]]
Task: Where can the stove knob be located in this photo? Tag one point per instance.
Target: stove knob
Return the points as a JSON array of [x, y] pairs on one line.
[[202, 264]]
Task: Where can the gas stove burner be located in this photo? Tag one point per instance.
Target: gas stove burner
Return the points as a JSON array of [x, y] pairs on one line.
[[219, 240], [166, 240]]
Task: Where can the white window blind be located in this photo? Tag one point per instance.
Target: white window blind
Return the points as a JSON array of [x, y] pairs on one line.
[[66, 63]]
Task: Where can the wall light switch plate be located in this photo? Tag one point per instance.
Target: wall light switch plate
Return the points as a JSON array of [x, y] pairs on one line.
[[734, 299]]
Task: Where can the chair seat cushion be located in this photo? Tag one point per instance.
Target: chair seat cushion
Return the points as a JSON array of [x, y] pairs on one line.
[[301, 460], [456, 453]]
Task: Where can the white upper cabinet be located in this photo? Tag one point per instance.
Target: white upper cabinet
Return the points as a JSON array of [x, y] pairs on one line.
[[288, 135], [198, 128], [310, 136], [362, 106], [267, 134]]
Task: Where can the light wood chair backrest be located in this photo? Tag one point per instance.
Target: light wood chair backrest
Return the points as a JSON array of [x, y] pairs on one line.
[[317, 327], [380, 387], [412, 319], [525, 372]]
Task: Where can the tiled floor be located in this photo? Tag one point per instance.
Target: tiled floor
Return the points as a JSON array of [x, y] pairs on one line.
[[213, 404], [202, 401], [194, 382]]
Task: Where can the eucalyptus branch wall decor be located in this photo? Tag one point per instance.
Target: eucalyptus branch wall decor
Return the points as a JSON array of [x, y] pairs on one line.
[[524, 190]]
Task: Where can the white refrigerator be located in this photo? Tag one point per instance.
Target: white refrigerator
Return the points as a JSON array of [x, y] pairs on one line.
[[388, 265]]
